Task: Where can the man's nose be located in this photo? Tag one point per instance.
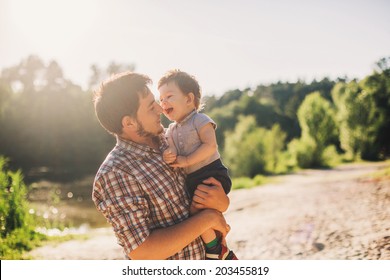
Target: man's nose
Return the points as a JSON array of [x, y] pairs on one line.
[[159, 108]]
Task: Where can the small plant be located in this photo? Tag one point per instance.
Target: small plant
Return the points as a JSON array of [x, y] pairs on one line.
[[17, 233]]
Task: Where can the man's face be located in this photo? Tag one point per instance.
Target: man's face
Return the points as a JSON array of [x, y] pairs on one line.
[[148, 117]]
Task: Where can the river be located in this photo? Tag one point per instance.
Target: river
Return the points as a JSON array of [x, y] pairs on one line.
[[65, 205]]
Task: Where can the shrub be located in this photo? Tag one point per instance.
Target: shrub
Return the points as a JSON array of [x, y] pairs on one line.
[[13, 206], [17, 233], [302, 152]]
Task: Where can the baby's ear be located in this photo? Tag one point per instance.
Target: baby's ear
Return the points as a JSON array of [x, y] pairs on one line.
[[190, 98]]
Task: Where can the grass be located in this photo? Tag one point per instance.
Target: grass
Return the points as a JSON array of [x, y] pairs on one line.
[[381, 174], [17, 245], [247, 183]]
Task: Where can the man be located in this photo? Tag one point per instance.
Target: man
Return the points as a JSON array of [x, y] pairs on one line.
[[140, 195]]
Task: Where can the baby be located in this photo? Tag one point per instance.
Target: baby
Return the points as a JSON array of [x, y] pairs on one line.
[[193, 145]]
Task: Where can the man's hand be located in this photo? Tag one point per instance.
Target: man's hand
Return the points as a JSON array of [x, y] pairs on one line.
[[169, 156], [210, 195], [219, 222]]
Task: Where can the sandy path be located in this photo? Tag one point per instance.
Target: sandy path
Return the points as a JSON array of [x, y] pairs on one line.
[[314, 214]]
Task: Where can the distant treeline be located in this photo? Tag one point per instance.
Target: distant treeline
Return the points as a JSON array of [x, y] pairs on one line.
[[48, 123]]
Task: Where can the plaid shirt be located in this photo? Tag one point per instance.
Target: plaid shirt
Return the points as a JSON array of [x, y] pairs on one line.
[[138, 192]]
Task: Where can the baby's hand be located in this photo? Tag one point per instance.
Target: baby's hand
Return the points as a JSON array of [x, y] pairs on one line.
[[180, 162], [168, 156]]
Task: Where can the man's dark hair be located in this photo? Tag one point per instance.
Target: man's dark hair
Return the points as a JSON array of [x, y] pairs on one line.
[[119, 97]]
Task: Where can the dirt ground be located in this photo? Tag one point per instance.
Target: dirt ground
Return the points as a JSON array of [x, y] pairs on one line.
[[337, 214]]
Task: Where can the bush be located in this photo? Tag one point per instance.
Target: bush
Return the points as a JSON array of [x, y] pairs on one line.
[[251, 150], [16, 224], [302, 152], [330, 157], [13, 206]]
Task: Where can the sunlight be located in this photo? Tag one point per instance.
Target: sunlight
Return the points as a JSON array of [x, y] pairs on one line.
[[44, 24]]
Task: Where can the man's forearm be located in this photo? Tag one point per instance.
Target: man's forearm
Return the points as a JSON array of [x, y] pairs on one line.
[[165, 242]]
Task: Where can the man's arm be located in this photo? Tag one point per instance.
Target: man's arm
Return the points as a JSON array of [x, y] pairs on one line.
[[165, 242]]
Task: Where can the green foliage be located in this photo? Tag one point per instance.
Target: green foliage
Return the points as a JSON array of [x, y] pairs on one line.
[[13, 207], [383, 174], [48, 121], [316, 118], [16, 224], [226, 118], [319, 130], [247, 183], [331, 157], [274, 143], [360, 120], [242, 183], [250, 150], [378, 85], [15, 244], [63, 134], [243, 150], [302, 152]]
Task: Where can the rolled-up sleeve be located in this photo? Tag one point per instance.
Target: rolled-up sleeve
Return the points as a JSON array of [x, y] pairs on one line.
[[119, 198]]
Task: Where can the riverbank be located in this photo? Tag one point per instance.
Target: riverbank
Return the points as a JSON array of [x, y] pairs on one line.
[[314, 214]]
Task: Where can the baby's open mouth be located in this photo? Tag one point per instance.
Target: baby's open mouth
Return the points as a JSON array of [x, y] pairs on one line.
[[168, 110]]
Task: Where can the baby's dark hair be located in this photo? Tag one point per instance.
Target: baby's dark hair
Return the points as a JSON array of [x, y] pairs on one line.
[[186, 84]]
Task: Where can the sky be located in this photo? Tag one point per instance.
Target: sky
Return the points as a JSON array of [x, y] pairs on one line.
[[225, 44]]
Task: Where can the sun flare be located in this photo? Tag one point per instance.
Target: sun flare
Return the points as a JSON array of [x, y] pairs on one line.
[[51, 23]]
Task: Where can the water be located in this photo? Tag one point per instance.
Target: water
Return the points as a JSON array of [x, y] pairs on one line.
[[65, 204]]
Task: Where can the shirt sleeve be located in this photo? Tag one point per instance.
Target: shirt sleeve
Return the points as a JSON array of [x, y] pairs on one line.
[[117, 196], [201, 120]]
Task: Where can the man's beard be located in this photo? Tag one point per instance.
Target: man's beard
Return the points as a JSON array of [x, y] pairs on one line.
[[146, 134]]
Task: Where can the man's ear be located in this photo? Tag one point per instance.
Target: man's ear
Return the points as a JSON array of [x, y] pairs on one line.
[[128, 122]]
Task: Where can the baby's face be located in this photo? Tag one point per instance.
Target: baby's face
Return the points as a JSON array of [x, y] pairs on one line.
[[175, 104]]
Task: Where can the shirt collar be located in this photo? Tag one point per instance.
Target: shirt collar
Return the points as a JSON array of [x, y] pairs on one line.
[[137, 148], [189, 116]]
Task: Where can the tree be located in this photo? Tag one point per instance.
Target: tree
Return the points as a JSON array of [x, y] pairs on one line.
[[242, 153], [99, 75], [251, 150], [319, 133], [378, 84], [27, 75], [360, 119], [316, 118], [274, 143], [51, 124]]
